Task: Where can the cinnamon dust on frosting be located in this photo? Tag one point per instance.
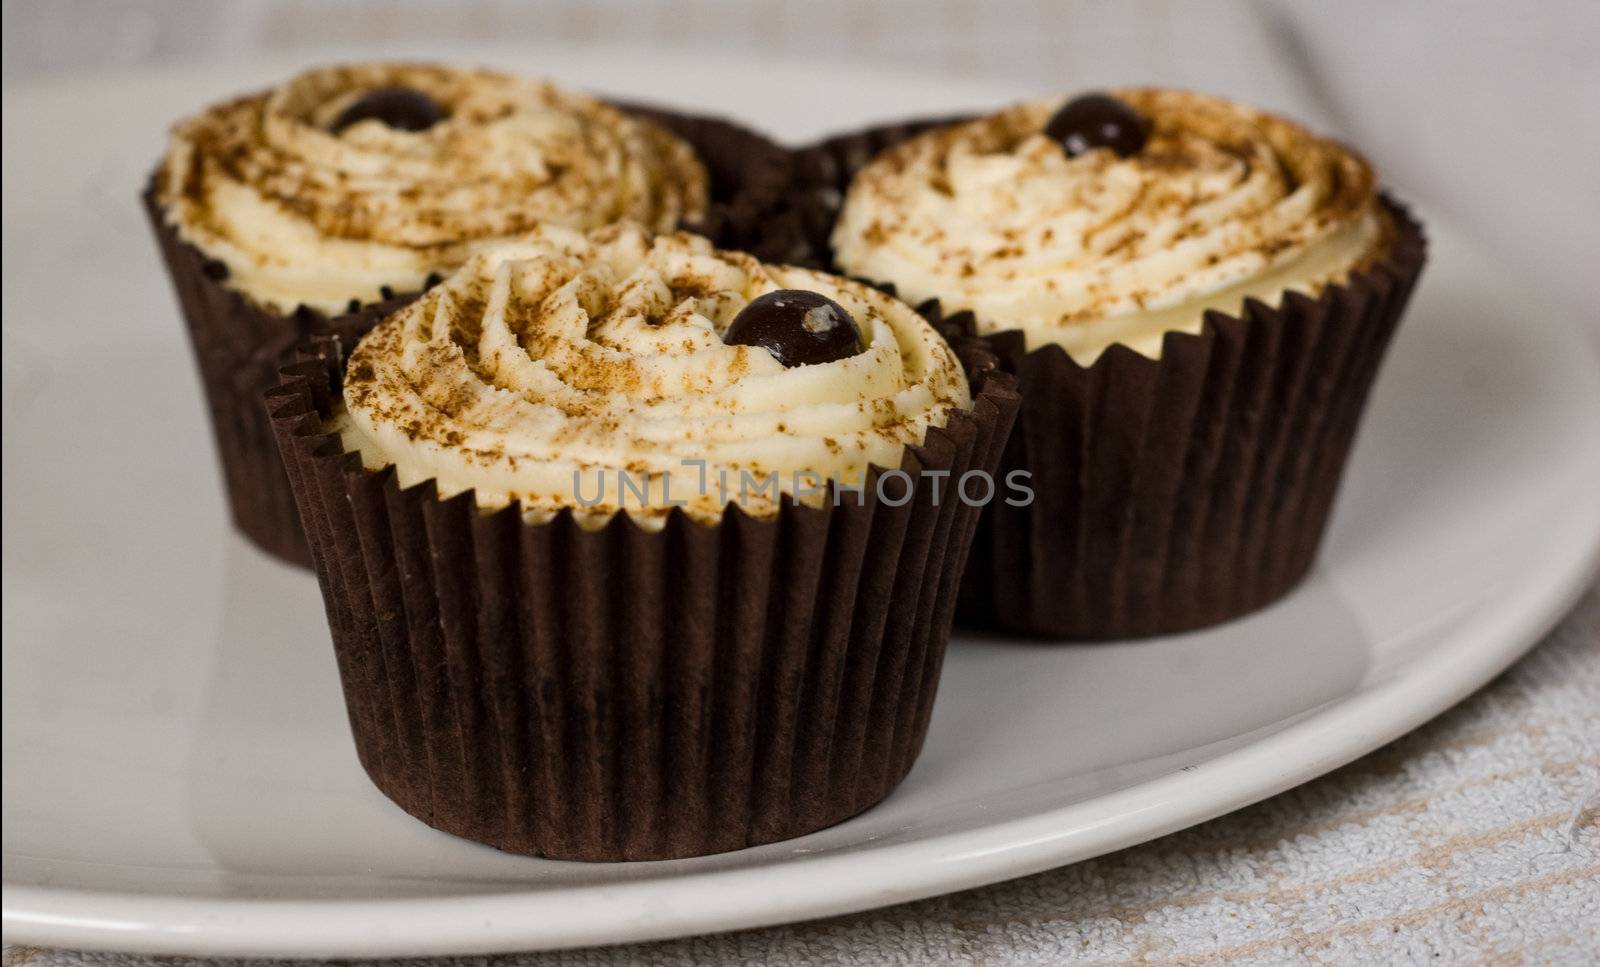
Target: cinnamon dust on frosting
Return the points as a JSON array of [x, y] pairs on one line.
[[301, 211], [547, 366], [1223, 202]]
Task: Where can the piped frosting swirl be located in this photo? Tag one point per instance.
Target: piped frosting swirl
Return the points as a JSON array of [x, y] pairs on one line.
[[302, 211], [1222, 203], [546, 368]]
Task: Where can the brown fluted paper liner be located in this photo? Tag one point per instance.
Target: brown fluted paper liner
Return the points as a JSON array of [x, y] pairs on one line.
[[619, 693], [750, 177], [1179, 492], [1169, 494], [239, 347], [797, 229]]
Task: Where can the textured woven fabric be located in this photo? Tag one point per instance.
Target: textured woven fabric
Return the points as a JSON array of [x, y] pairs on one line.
[[1475, 839]]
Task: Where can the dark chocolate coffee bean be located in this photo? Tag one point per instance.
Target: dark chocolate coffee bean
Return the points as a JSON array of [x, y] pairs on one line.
[[798, 327], [1097, 121], [401, 108]]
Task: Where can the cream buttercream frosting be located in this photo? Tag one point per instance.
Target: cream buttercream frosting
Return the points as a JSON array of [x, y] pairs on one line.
[[302, 211], [1222, 203], [546, 369]]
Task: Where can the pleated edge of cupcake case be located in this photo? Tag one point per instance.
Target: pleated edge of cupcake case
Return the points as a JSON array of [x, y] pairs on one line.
[[299, 406]]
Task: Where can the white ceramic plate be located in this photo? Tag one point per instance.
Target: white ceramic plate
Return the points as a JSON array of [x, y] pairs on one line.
[[177, 771]]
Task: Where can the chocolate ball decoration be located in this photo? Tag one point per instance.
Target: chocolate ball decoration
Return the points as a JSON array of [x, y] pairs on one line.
[[1097, 121], [799, 328], [401, 108]]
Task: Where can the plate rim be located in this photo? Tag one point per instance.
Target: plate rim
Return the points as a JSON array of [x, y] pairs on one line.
[[802, 889]]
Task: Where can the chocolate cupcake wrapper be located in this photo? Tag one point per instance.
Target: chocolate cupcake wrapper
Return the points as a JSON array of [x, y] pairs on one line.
[[1179, 492], [239, 347], [1173, 493], [627, 694], [750, 176], [798, 228]]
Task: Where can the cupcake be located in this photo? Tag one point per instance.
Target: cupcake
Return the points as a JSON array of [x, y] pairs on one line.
[[323, 204], [1195, 297], [636, 549]]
